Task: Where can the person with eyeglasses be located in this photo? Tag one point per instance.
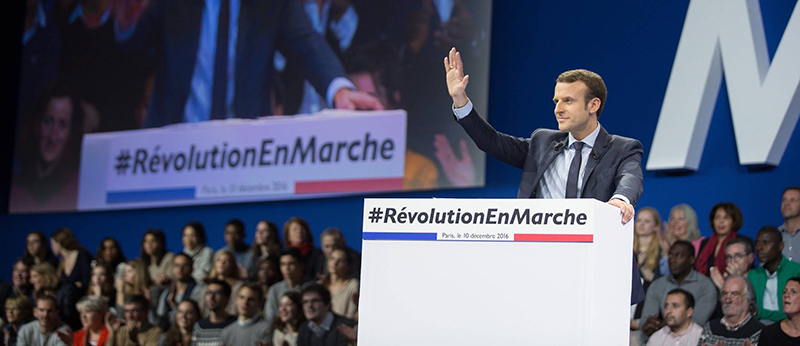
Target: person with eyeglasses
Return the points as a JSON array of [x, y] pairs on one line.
[[323, 327], [207, 331], [739, 259], [738, 325]]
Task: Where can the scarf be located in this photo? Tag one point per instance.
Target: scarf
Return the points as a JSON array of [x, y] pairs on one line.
[[304, 248], [708, 251]]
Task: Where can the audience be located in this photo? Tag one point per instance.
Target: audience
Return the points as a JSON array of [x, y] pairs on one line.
[[290, 317], [322, 327], [739, 260], [682, 225], [790, 209], [75, 266], [183, 287], [680, 329], [155, 256], [251, 328], [342, 287], [102, 284], [269, 273], [787, 331], [18, 311], [770, 278], [20, 283], [45, 284], [208, 330], [297, 234], [135, 282], [136, 331], [225, 270], [47, 329], [292, 269], [93, 311], [266, 243], [725, 219], [37, 249], [738, 326], [234, 240], [194, 245], [109, 253], [682, 275], [332, 237], [188, 313]]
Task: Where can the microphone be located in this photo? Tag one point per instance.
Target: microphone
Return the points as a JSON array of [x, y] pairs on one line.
[[559, 146], [594, 154]]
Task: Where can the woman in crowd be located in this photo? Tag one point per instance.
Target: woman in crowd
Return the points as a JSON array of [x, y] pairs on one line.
[[194, 245], [19, 310], [266, 242], [725, 219], [290, 316], [269, 273], [134, 281], [37, 249], [75, 266], [682, 225], [225, 269], [102, 284], [646, 244], [298, 235], [45, 282], [93, 311], [155, 256], [787, 331], [180, 334], [342, 286], [109, 253]]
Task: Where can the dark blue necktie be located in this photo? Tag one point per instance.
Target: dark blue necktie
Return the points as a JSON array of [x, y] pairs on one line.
[[220, 88], [574, 172]]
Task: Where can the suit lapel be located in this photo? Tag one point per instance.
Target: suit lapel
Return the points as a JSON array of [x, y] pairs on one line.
[[600, 148]]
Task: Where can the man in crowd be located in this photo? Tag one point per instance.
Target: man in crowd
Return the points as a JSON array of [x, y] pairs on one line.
[[770, 278], [183, 287], [292, 268], [207, 331], [331, 238], [738, 324], [234, 240], [323, 325], [790, 209], [680, 329], [250, 328], [136, 331], [682, 275], [48, 329], [739, 259], [20, 283]]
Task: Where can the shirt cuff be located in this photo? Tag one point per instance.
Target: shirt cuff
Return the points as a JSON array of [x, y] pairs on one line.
[[462, 112], [337, 84], [622, 198]]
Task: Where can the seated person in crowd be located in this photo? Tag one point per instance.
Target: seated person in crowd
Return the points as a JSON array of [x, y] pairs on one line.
[[136, 331], [38, 250], [342, 287], [183, 287], [250, 328], [19, 311], [268, 273], [266, 241], [187, 314], [322, 327], [45, 283], [47, 329], [682, 275], [770, 278], [156, 257], [207, 331], [135, 281], [332, 237], [292, 269], [290, 317], [680, 329], [102, 284], [725, 219], [75, 266], [225, 269], [739, 259], [20, 283], [234, 240], [682, 225], [110, 254], [790, 209], [194, 245], [297, 233], [787, 331], [738, 324], [93, 311]]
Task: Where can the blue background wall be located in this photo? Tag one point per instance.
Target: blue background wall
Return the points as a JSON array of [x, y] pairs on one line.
[[631, 43]]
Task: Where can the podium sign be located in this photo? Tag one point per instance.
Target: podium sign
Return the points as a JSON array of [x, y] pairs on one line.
[[494, 272]]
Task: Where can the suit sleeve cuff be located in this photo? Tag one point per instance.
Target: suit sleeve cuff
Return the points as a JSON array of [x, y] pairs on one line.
[[621, 197], [462, 112], [337, 84]]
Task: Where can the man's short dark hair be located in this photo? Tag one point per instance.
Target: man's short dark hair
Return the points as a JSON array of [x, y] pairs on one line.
[[294, 252], [688, 298], [226, 288], [318, 289], [238, 224], [772, 229], [26, 261], [689, 247], [795, 188], [188, 258], [139, 299], [50, 298], [746, 241], [255, 288], [595, 87]]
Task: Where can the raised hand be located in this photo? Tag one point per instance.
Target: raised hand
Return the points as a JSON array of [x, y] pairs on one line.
[[456, 80]]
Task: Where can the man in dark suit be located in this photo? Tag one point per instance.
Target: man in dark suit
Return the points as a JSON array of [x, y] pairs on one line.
[[579, 160], [215, 57], [323, 327]]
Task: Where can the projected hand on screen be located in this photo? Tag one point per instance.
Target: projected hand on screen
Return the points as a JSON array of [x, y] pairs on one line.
[[352, 100], [460, 172], [127, 12], [456, 80]]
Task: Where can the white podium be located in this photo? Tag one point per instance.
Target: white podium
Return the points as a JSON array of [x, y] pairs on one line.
[[494, 272]]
